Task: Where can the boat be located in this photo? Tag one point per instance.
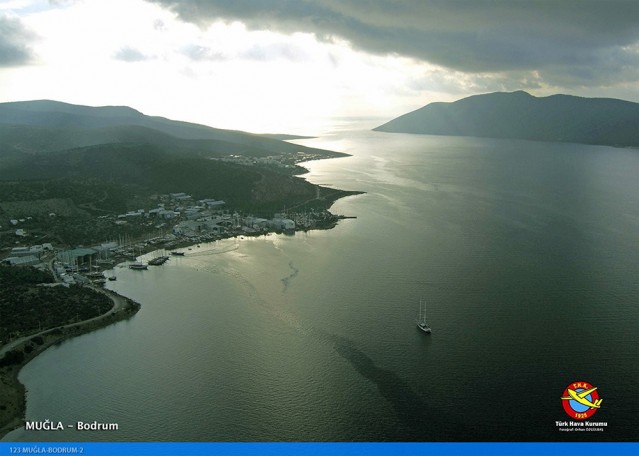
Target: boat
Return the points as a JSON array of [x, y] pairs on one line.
[[158, 261], [138, 265], [95, 275], [177, 253], [112, 278], [421, 318]]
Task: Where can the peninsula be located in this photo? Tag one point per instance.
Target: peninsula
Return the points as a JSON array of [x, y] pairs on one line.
[[78, 175]]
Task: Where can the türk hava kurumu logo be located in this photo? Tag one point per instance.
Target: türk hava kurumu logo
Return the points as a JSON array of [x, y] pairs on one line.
[[581, 400]]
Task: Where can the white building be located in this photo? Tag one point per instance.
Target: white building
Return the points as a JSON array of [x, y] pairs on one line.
[[256, 222], [284, 224], [212, 203], [20, 251], [168, 214]]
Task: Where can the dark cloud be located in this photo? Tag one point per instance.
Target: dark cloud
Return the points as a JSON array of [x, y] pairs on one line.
[[129, 54], [14, 43], [557, 38]]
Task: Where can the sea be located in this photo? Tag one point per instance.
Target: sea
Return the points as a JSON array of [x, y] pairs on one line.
[[525, 253]]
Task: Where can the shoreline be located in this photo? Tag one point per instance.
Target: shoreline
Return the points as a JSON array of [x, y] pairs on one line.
[[13, 392], [144, 247]]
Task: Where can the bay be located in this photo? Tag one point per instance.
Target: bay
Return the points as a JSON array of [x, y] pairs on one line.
[[526, 253]]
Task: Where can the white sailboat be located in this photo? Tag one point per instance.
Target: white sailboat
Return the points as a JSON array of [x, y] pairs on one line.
[[421, 318]]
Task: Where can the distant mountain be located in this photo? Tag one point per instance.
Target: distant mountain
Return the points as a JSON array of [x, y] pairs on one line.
[[16, 140], [45, 125], [519, 115]]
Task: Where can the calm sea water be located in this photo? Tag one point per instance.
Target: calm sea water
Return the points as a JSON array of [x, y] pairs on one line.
[[526, 253]]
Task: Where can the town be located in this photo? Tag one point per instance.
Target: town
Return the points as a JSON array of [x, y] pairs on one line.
[[178, 221]]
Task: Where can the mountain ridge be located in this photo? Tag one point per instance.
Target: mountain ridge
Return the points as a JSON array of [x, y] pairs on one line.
[[519, 115], [60, 115]]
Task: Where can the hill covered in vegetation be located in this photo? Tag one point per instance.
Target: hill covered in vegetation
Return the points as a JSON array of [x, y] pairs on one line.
[[519, 115], [27, 307], [44, 125], [112, 159]]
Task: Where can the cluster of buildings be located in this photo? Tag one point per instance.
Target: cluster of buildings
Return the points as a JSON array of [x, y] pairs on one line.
[[194, 221], [225, 224], [67, 263], [173, 206], [27, 256], [282, 161], [203, 219], [20, 232]]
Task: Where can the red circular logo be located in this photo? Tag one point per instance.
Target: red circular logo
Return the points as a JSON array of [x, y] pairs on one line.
[[581, 400]]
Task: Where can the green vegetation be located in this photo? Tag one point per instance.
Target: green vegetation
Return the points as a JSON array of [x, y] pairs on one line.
[[80, 230], [70, 196], [25, 307], [20, 277], [105, 177], [71, 211]]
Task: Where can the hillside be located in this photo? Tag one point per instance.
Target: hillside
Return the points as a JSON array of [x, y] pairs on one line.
[[519, 115], [82, 162], [44, 126]]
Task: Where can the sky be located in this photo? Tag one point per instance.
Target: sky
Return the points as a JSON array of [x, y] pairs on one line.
[[311, 66]]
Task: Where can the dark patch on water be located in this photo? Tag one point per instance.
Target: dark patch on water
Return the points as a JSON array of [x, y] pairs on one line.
[[421, 422], [287, 280]]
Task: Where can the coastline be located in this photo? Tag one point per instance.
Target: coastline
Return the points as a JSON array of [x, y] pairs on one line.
[[13, 393]]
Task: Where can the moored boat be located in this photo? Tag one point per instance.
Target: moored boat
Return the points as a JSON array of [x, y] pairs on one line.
[[158, 261]]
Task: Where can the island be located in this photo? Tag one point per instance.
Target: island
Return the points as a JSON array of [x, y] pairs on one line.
[[519, 115]]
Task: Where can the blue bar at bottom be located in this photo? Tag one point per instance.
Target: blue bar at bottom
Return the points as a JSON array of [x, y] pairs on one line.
[[315, 449]]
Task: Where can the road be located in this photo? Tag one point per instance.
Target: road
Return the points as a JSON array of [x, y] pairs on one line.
[[119, 303]]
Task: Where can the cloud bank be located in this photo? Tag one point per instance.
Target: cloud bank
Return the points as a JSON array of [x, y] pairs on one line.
[[583, 42]]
